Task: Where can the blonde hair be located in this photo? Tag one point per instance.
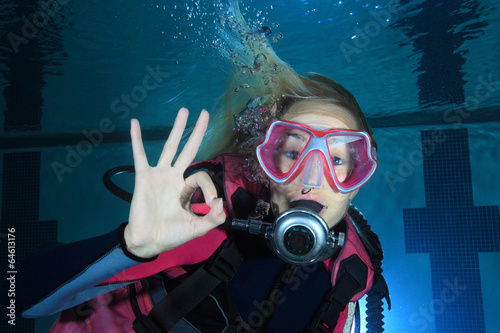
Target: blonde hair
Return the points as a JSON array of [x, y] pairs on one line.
[[262, 80], [277, 96]]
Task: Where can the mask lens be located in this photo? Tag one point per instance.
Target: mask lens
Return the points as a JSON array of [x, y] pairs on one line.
[[350, 160], [283, 149], [290, 150]]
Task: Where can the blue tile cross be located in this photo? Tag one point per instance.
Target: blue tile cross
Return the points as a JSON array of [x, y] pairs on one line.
[[452, 230]]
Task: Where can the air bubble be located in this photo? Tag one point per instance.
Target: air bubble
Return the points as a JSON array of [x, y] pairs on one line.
[[277, 37], [242, 86], [259, 60]]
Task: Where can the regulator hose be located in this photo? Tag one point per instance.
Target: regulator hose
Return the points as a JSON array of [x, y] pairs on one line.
[[379, 290], [374, 309], [112, 187]]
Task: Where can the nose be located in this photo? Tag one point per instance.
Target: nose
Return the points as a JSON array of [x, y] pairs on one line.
[[312, 172]]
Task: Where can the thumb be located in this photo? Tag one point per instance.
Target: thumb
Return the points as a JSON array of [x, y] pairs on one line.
[[217, 215]]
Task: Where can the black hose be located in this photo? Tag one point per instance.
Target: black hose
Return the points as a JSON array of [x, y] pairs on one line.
[[379, 290], [374, 309], [112, 187], [357, 319]]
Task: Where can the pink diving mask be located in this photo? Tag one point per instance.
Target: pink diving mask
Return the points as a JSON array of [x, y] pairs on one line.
[[345, 157]]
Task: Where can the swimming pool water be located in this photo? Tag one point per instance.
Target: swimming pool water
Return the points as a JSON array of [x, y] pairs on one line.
[[425, 73]]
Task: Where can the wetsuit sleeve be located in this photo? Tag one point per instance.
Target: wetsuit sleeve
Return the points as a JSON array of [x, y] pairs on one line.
[[65, 275]]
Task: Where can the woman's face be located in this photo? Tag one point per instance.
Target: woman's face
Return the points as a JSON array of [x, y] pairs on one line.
[[320, 116]]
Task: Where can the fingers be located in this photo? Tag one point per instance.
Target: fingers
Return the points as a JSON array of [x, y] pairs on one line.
[[200, 180], [216, 215], [214, 218], [170, 147], [140, 159], [191, 148], [202, 224]]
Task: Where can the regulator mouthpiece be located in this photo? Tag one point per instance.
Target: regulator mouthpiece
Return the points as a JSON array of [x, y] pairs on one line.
[[298, 236]]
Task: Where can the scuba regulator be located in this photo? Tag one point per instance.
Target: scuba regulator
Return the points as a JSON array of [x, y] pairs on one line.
[[299, 235]]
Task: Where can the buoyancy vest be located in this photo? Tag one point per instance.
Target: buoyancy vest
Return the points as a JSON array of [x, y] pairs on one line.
[[116, 310]]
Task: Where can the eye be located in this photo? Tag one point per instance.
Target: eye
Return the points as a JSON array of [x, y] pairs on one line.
[[291, 154], [337, 161]]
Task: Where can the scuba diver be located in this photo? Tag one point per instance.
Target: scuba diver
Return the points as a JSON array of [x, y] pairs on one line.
[[259, 235], [265, 241]]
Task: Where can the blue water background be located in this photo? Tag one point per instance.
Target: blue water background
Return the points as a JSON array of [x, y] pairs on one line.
[[102, 51]]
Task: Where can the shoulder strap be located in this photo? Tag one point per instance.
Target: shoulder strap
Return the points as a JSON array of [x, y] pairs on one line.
[[352, 278], [220, 267]]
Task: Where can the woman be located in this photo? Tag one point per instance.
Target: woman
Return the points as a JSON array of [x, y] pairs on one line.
[[165, 241], [179, 260]]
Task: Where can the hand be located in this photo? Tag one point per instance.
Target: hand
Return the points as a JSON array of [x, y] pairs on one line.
[[160, 215]]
